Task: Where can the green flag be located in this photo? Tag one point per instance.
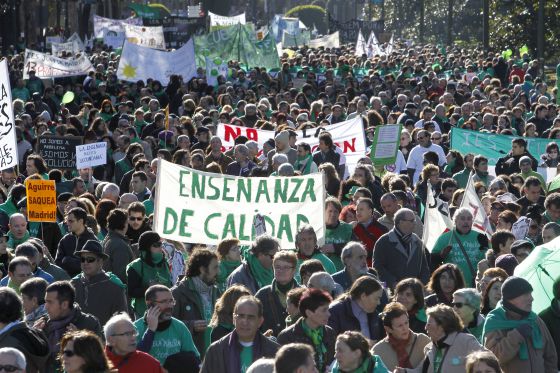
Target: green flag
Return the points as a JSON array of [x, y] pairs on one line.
[[507, 54], [524, 50], [237, 43]]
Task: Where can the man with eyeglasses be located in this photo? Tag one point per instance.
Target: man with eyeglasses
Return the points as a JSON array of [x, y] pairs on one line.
[[94, 284], [20, 269], [400, 253], [274, 296], [159, 333], [236, 351], [120, 347], [137, 222], [73, 241], [196, 296]]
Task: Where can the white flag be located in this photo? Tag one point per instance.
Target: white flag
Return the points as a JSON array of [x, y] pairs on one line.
[[390, 46], [8, 141], [436, 220], [472, 202], [360, 44], [373, 48], [141, 63]]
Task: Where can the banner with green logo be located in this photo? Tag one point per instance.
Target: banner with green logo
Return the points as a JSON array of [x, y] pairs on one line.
[[237, 43], [201, 207], [493, 146]]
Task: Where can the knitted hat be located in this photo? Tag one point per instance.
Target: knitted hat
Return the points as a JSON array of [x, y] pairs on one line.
[[147, 239], [514, 287], [282, 137], [507, 262]]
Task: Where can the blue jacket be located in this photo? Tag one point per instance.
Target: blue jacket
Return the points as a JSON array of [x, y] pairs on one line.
[[38, 273], [342, 319]]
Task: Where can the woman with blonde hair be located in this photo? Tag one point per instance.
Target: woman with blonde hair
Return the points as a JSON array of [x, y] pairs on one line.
[[222, 319]]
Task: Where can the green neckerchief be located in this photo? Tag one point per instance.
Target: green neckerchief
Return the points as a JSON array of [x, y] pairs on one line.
[[226, 325], [316, 336], [365, 367], [226, 268], [497, 320], [372, 364], [421, 314], [304, 162], [262, 276], [438, 359], [13, 242]]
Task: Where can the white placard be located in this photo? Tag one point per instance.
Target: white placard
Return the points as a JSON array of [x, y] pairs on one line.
[[218, 20], [8, 141], [91, 155], [151, 37], [47, 66]]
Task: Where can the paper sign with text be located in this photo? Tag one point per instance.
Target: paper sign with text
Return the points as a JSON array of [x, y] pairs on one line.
[[59, 151], [91, 155], [41, 200]]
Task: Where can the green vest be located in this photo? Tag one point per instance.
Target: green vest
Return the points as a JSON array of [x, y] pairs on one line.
[[150, 276]]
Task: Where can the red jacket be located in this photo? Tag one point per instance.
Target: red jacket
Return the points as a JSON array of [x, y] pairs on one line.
[[369, 236], [134, 363]]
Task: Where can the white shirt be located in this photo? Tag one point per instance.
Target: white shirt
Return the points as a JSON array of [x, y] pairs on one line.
[[399, 166], [416, 159]]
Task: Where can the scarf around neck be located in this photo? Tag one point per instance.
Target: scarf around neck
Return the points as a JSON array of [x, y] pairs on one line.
[[262, 276], [400, 347], [316, 336], [497, 320], [303, 164]]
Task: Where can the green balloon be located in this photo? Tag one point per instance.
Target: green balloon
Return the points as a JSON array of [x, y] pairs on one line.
[[217, 61], [214, 72]]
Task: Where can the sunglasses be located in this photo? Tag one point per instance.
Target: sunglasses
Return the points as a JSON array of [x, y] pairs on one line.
[[9, 368], [135, 218], [87, 259], [458, 304], [68, 353]]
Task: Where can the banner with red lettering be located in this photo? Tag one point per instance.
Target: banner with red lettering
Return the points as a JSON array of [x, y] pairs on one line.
[[348, 136]]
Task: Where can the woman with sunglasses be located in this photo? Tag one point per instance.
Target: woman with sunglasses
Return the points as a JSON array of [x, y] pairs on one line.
[[81, 351], [466, 302], [149, 269]]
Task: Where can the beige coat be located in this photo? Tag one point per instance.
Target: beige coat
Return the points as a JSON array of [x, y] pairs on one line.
[[505, 345], [415, 351], [460, 346]]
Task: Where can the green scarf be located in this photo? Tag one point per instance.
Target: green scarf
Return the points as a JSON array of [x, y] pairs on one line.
[[316, 336], [304, 164], [226, 268], [14, 242], [372, 364], [497, 320], [262, 275]]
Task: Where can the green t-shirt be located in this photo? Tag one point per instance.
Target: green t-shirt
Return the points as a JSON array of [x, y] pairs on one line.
[[327, 263], [175, 338], [471, 246], [246, 358], [339, 235]]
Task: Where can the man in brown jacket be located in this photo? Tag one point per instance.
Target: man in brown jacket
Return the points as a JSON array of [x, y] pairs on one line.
[[239, 349], [516, 335]]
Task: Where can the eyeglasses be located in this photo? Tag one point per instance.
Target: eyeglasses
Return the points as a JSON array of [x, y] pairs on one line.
[[88, 259], [135, 218], [9, 368], [68, 353], [133, 333]]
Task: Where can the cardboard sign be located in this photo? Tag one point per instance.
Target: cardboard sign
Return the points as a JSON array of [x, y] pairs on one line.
[[8, 142], [59, 151], [41, 200], [91, 155]]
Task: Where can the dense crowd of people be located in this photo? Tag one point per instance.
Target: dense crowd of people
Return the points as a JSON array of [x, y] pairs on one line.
[[100, 291]]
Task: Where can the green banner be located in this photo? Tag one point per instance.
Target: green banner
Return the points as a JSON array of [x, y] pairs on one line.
[[385, 145], [493, 146], [237, 43]]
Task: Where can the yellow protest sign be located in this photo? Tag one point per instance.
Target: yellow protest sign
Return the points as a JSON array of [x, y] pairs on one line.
[[41, 200]]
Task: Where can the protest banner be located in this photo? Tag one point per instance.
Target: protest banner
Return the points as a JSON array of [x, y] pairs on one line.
[[471, 201], [8, 140], [41, 200], [218, 20], [200, 207], [75, 37], [237, 43], [386, 142], [52, 39], [327, 41], [142, 63], [347, 135], [91, 155], [349, 30], [151, 37], [493, 146], [289, 24], [71, 47], [47, 66], [59, 151], [298, 39], [102, 25]]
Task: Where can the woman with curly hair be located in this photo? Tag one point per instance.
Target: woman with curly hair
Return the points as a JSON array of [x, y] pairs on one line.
[[222, 319]]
